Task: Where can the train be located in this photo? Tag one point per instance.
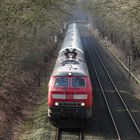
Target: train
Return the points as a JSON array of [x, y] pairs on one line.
[[70, 93]]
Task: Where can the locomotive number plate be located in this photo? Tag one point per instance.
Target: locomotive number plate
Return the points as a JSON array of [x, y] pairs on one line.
[[69, 96]]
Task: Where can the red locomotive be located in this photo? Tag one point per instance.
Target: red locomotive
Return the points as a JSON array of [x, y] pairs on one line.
[[70, 91]]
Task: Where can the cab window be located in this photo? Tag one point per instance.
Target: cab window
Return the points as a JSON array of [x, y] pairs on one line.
[[78, 82], [61, 82]]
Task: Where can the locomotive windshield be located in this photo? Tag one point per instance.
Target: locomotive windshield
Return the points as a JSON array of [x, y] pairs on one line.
[[78, 82], [61, 82]]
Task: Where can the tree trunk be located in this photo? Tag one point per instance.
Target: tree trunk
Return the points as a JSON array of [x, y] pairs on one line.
[[135, 51]]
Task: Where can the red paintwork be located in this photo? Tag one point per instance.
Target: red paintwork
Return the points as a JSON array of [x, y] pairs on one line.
[[70, 91]]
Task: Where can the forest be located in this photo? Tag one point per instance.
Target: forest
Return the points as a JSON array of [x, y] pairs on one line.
[[119, 21], [25, 27]]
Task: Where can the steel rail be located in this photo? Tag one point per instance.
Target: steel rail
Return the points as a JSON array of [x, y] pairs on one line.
[[116, 89], [81, 135], [58, 134], [105, 98]]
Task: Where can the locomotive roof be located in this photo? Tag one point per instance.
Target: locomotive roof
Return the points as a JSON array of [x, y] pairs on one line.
[[71, 56], [75, 70]]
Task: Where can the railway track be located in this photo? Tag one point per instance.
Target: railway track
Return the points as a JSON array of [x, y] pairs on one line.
[[62, 134], [122, 119]]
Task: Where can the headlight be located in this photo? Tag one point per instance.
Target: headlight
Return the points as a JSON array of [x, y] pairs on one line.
[[82, 104], [56, 103]]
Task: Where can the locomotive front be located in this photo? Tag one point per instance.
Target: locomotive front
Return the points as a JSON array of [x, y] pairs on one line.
[[70, 90]]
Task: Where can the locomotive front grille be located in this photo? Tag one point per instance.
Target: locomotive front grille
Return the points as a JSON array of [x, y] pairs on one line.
[[69, 104]]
